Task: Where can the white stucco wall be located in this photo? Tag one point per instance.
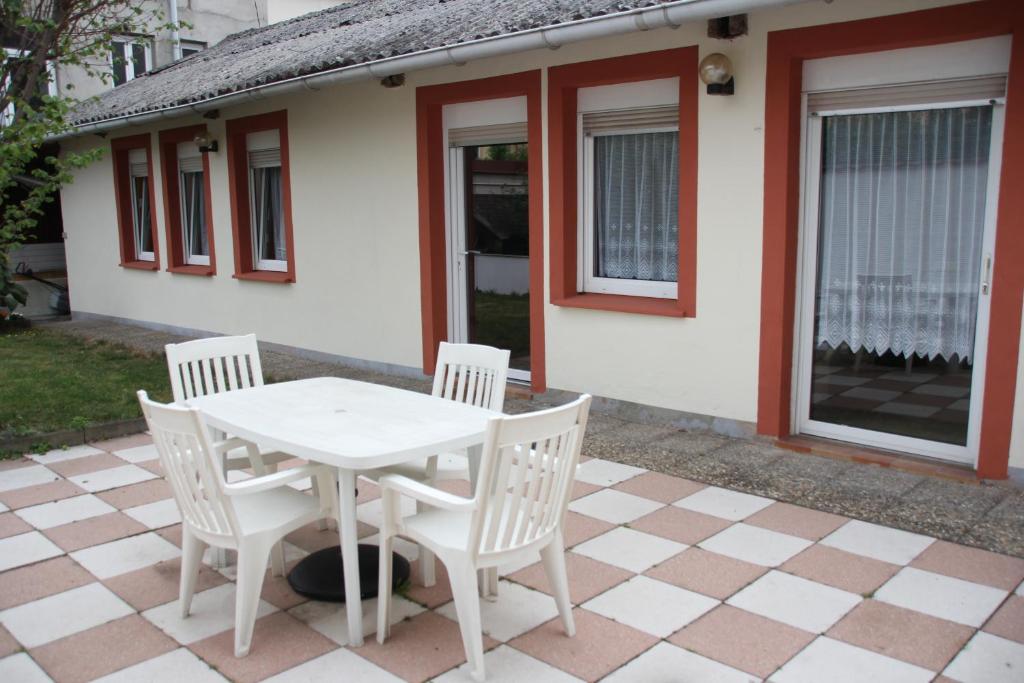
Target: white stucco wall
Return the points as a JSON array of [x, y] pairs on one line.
[[353, 174]]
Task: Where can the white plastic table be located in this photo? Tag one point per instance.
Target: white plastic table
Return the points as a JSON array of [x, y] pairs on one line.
[[352, 426]]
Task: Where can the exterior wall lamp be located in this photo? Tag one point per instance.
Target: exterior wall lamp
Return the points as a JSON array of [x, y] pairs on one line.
[[716, 72], [204, 143]]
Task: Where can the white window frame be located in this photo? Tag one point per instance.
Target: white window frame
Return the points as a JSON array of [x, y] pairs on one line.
[[129, 65], [625, 97], [190, 258], [140, 255], [275, 265], [195, 46]]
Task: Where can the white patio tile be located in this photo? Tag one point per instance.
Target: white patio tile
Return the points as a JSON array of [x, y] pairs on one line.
[[837, 662], [651, 606], [26, 548], [754, 544], [629, 549], [614, 506], [49, 515], [138, 454], [795, 601], [112, 478], [880, 542], [329, 617], [517, 610], [4, 508], [724, 503], [21, 668], [20, 477], [605, 472], [665, 663], [335, 666], [171, 667], [156, 515], [213, 611], [60, 615], [507, 665], [513, 567], [941, 596], [125, 555], [292, 553], [372, 513], [988, 659], [62, 454]]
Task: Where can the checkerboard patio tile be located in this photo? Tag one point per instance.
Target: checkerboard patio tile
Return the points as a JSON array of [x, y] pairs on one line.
[[669, 579]]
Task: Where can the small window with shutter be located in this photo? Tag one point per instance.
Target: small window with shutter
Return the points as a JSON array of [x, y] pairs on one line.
[[142, 212]]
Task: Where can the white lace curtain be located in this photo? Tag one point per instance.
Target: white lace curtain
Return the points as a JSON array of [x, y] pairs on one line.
[[901, 223], [194, 207], [636, 200], [142, 217], [269, 211]]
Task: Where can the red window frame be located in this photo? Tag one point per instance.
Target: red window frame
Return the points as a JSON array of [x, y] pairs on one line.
[[119, 151], [563, 85], [238, 192], [176, 261]]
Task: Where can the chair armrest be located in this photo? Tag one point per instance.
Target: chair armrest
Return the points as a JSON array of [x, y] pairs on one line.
[[221, 447], [275, 480], [425, 494]]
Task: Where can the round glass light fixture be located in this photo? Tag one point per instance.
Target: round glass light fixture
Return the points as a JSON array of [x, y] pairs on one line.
[[715, 69]]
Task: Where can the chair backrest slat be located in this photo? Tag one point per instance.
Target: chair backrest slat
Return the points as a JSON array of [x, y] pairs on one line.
[[526, 474], [473, 374], [211, 366], [191, 467]]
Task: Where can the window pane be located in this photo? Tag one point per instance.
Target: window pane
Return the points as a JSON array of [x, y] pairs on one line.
[[120, 68], [636, 206], [139, 59], [140, 204], [268, 214], [193, 214]]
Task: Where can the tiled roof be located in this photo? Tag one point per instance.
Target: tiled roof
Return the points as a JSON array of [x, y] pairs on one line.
[[352, 33]]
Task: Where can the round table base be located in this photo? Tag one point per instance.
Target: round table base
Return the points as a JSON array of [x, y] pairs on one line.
[[319, 576]]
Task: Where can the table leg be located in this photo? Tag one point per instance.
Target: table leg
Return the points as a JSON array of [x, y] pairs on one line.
[[350, 554]]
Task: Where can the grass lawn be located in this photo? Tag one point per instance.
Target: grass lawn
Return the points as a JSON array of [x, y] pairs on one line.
[[503, 320], [50, 381]]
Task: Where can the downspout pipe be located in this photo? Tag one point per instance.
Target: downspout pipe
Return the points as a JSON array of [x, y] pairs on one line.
[[671, 14], [172, 14]]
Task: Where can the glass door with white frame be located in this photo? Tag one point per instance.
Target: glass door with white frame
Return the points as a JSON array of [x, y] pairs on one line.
[[489, 249], [898, 216]]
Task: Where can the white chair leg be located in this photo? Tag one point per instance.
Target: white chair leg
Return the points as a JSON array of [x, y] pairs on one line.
[[467, 606], [384, 588], [252, 564], [321, 524], [553, 558], [428, 572], [277, 565], [191, 558]]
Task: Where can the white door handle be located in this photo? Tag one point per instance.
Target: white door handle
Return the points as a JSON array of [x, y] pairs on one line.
[[986, 278]]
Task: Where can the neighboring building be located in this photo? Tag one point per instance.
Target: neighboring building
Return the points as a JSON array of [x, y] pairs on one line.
[[832, 250], [208, 22]]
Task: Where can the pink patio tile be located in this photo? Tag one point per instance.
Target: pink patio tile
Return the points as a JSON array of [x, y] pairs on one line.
[[438, 594], [582, 488], [8, 645], [902, 634], [367, 491], [12, 525], [278, 592], [971, 564], [42, 493], [153, 466], [123, 442], [90, 463], [137, 494], [797, 521], [840, 569], [1008, 621], [705, 572], [279, 642], [158, 583], [458, 487], [742, 640], [660, 487], [15, 463], [587, 577], [40, 580], [419, 648], [171, 534], [599, 647], [682, 526], [579, 528], [93, 531], [102, 650]]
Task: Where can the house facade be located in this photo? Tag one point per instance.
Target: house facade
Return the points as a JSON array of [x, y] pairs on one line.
[[831, 250]]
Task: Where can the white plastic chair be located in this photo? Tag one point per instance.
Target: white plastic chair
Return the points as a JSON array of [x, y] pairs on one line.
[[212, 366], [517, 510], [250, 517], [467, 373]]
